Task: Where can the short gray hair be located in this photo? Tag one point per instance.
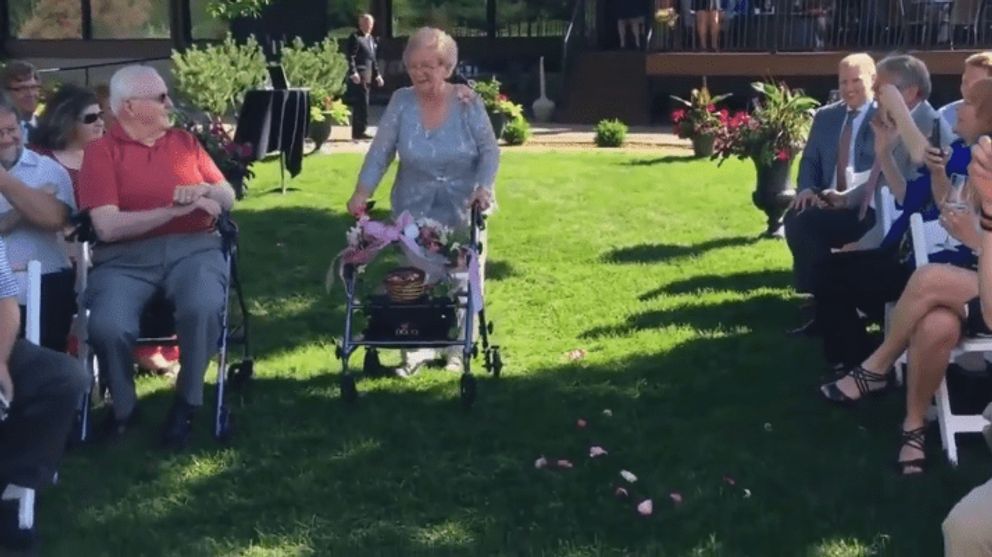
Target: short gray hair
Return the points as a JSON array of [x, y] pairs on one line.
[[126, 83], [907, 71], [7, 106], [434, 39]]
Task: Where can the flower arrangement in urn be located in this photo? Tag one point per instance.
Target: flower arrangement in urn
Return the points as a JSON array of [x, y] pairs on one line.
[[234, 160], [770, 135], [500, 108], [700, 120]]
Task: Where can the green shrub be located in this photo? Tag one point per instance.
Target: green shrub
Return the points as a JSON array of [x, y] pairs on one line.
[[215, 78], [321, 68], [517, 132], [610, 133]]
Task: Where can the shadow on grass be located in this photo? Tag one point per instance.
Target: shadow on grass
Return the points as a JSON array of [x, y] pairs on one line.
[[656, 253], [406, 472], [662, 160], [734, 282], [497, 269]]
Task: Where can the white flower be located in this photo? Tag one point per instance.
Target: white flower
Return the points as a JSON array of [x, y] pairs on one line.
[[411, 231], [630, 477]]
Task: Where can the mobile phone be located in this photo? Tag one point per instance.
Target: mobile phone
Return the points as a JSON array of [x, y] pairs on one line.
[[935, 139]]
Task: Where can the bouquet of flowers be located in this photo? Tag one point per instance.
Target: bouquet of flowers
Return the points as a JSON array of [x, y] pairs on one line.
[[700, 117]]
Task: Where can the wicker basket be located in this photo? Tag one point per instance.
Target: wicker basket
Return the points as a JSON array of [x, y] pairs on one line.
[[405, 284]]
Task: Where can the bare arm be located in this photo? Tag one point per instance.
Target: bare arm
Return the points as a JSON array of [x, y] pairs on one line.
[[37, 207], [223, 194], [112, 224], [10, 324], [893, 176]]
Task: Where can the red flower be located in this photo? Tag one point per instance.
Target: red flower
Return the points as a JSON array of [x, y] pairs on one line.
[[782, 155], [503, 97], [711, 108], [678, 116]]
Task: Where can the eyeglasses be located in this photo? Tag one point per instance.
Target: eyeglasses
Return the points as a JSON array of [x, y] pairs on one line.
[[160, 98], [91, 117], [35, 87], [423, 67]]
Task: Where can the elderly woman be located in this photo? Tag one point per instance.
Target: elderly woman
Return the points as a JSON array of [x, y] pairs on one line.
[[928, 317], [446, 146]]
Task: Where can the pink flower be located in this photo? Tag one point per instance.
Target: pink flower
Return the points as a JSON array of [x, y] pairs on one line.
[[678, 116], [562, 463], [782, 155], [645, 508], [711, 108], [597, 451], [502, 98], [580, 423], [729, 481], [676, 497], [620, 492]]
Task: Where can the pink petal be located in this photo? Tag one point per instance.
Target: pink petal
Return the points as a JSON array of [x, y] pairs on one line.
[[597, 451], [608, 413], [620, 492], [630, 477], [576, 354], [645, 508], [676, 497], [564, 463], [540, 463], [747, 493], [581, 423], [729, 481]]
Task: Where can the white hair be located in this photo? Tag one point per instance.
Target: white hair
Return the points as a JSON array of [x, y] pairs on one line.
[[436, 40], [128, 82]]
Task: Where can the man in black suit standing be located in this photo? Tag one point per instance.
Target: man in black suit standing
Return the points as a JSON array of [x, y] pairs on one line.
[[362, 72]]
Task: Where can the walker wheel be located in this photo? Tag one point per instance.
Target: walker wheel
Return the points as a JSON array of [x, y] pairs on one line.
[[490, 327], [467, 390], [349, 393]]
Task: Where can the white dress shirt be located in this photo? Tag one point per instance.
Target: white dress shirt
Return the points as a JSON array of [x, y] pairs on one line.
[[856, 124]]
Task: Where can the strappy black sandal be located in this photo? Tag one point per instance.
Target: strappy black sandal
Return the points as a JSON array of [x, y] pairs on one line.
[[863, 380], [915, 438]]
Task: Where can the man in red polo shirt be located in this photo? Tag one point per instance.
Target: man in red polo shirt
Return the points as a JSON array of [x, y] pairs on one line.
[[153, 194]]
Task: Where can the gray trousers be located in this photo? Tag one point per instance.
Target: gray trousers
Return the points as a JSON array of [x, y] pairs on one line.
[[48, 387], [190, 270]]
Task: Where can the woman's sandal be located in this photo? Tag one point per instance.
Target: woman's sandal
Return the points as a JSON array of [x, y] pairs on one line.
[[914, 438], [863, 379]]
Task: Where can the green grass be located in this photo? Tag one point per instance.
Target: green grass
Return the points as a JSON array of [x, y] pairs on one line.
[[651, 265]]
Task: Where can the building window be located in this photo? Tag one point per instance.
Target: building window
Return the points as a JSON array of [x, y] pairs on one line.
[[203, 26], [460, 18], [130, 19], [46, 19], [541, 18]]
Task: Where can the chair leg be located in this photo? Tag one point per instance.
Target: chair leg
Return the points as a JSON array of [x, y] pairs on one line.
[[945, 419]]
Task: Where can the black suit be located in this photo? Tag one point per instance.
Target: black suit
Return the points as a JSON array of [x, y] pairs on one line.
[[360, 51]]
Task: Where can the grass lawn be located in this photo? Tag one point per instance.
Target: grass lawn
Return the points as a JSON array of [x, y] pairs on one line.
[[653, 266]]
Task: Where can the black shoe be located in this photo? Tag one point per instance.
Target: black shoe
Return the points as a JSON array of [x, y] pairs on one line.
[[361, 137], [113, 429], [810, 329], [12, 537], [178, 426]]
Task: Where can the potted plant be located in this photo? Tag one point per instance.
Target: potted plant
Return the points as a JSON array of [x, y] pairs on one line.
[[700, 121], [771, 136], [328, 113], [500, 108]]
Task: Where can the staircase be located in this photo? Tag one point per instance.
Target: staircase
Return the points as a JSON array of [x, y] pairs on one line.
[[607, 85]]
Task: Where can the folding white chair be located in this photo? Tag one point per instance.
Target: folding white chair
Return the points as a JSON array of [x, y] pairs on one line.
[[926, 235], [32, 325]]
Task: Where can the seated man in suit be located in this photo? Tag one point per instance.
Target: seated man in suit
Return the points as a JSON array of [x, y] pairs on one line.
[[848, 282], [840, 141], [153, 194], [43, 389]]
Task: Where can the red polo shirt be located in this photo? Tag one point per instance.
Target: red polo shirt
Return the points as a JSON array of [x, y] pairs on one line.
[[133, 176]]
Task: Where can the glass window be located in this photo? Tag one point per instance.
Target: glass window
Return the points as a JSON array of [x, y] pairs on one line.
[[46, 19], [533, 18], [342, 16], [130, 19], [460, 18], [204, 26]]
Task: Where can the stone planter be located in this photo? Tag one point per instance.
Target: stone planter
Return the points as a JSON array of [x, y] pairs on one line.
[[773, 192], [498, 120], [702, 146], [319, 132]]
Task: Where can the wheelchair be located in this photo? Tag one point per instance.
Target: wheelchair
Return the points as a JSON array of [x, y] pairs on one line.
[[158, 328]]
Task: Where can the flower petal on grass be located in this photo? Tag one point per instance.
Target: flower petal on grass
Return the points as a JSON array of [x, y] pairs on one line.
[[747, 493], [729, 481], [607, 412], [629, 476], [541, 463], [577, 354], [676, 497], [597, 451], [580, 423], [645, 508], [620, 492], [562, 463]]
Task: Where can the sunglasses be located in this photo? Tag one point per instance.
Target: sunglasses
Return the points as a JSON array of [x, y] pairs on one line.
[[92, 117], [160, 98]]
